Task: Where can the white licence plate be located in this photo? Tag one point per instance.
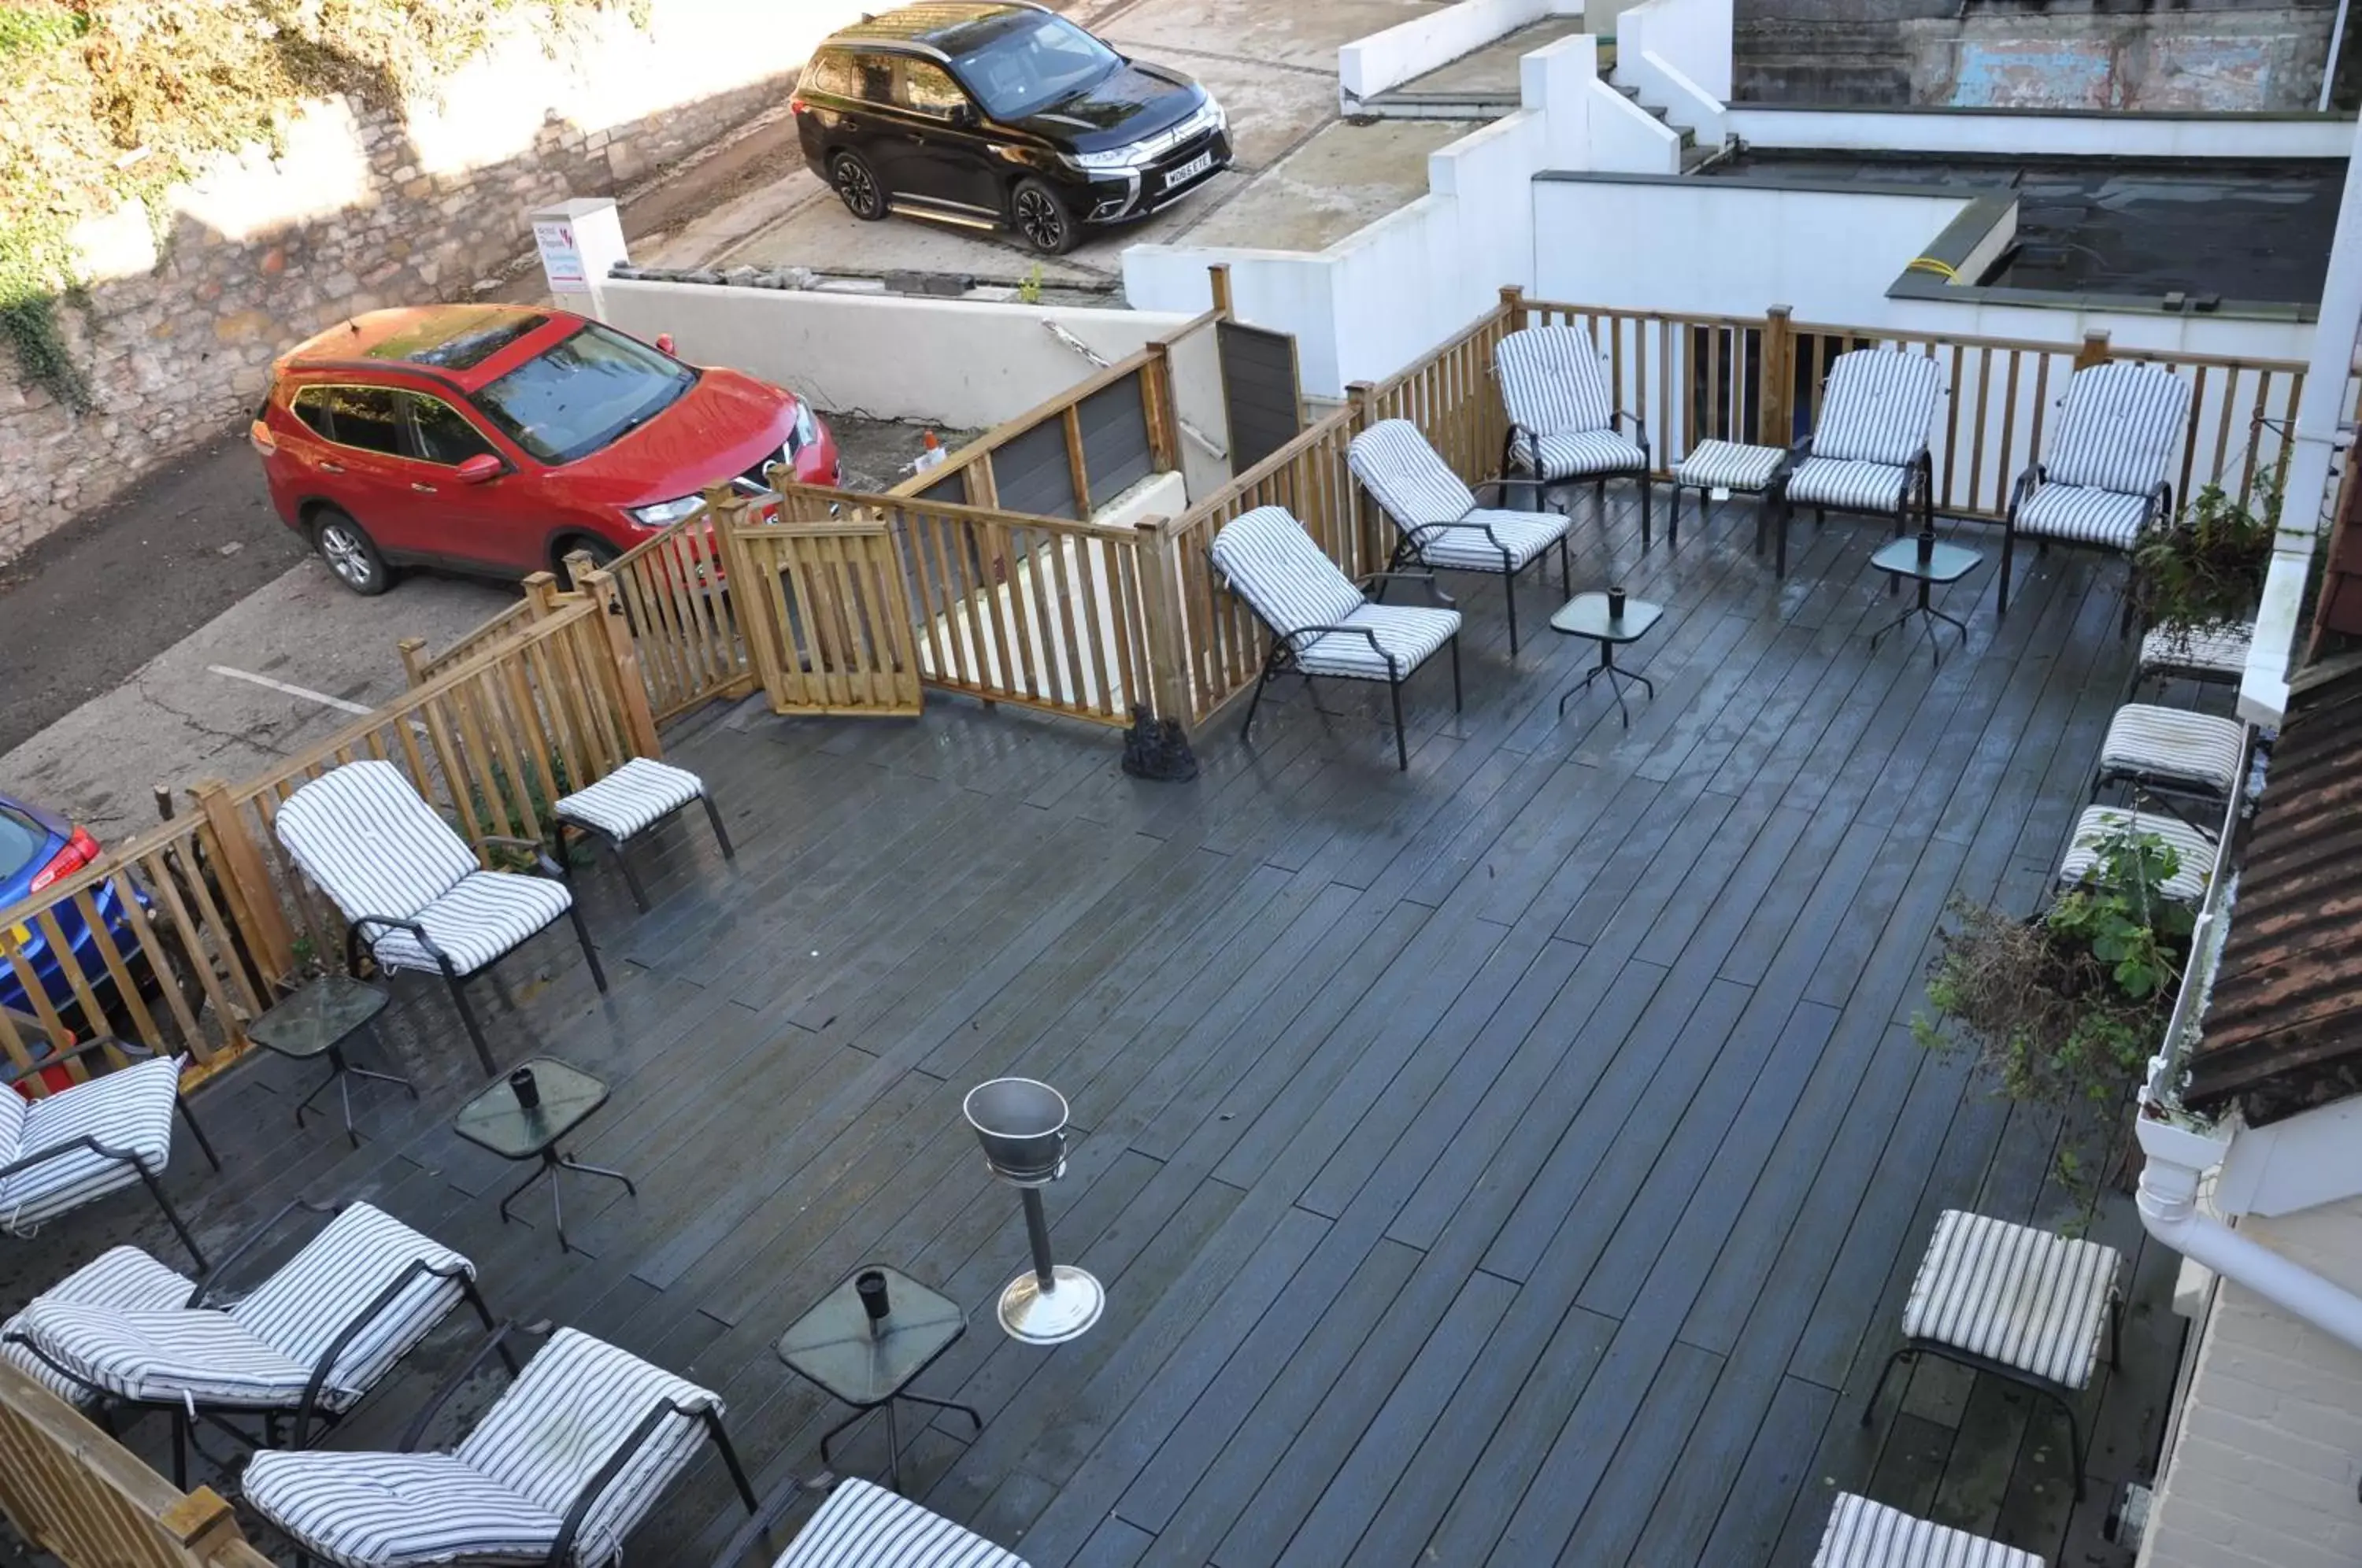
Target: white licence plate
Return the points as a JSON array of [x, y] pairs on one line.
[[1189, 171]]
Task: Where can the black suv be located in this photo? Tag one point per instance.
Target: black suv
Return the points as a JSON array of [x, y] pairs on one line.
[[988, 112]]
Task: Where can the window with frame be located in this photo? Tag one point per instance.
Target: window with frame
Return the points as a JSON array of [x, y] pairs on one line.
[[442, 433], [364, 418], [929, 90], [873, 78]]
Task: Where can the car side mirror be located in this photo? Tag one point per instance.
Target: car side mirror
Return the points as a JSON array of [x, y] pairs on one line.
[[964, 114], [481, 469]]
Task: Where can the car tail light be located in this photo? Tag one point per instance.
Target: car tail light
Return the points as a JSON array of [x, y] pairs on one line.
[[79, 851], [795, 106], [260, 434]]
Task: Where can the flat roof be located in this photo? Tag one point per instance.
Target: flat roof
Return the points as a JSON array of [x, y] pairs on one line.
[[2250, 231]]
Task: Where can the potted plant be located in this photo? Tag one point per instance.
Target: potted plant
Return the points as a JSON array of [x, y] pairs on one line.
[[2205, 569]]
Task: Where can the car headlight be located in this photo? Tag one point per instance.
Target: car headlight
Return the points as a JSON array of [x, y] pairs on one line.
[[665, 513], [804, 432], [1114, 158], [1214, 115]]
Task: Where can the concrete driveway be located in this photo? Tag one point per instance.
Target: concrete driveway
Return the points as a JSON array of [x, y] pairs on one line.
[[1273, 66]]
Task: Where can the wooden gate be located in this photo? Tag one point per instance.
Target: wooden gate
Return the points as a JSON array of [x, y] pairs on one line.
[[827, 614]]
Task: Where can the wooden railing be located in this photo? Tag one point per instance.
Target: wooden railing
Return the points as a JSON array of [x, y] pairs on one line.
[[193, 926], [692, 646], [1041, 612], [421, 665], [73, 1492]]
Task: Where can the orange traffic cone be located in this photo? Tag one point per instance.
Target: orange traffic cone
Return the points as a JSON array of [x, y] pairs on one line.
[[930, 453]]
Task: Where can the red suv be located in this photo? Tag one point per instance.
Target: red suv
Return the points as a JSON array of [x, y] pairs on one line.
[[498, 439]]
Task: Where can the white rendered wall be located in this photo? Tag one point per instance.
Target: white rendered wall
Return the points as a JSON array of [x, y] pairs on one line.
[[1370, 65], [2030, 134]]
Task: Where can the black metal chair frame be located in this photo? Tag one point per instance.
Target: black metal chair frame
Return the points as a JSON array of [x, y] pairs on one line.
[[2035, 475], [561, 1550], [88, 1141], [543, 866], [1919, 482], [1281, 659], [1644, 472], [1411, 539], [2058, 1394], [617, 847], [307, 1409]]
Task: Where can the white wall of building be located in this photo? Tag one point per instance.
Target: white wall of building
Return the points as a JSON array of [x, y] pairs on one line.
[[1676, 55], [951, 362], [2011, 133], [2264, 1470], [1432, 39]]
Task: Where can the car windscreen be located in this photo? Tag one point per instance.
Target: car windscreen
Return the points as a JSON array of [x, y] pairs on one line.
[[1032, 65], [583, 393], [21, 839]]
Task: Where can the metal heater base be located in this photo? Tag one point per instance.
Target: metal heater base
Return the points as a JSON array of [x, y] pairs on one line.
[[1039, 1317]]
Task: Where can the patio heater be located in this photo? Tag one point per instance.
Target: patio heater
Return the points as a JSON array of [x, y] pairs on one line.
[[1022, 1126]]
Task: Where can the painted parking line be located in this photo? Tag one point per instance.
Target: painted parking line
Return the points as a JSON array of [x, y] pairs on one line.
[[289, 689]]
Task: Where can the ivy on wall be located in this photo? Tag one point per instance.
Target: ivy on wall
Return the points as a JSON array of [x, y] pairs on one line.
[[105, 101]]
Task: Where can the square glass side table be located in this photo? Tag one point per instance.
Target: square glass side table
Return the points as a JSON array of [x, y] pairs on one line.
[[1922, 559], [1585, 615], [315, 1019], [868, 1363], [497, 1119]]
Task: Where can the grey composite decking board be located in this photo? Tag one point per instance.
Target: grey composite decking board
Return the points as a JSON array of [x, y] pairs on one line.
[[1520, 1158]]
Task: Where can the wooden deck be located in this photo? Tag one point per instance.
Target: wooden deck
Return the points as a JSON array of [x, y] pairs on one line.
[[1523, 1160]]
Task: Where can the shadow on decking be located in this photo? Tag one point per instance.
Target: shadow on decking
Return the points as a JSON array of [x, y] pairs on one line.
[[1521, 1160]]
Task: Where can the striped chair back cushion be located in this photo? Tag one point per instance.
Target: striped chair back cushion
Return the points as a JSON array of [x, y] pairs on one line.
[[1275, 566], [361, 832], [576, 1402], [2118, 426], [302, 1307], [12, 1124], [1552, 383], [1409, 480], [1878, 407]]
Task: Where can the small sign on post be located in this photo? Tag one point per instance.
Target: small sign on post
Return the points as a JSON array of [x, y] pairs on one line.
[[579, 242], [561, 258]]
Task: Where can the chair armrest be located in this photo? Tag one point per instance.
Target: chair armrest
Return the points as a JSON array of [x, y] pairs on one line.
[[562, 1549], [131, 1048], [1499, 484], [1801, 450], [759, 1525], [1424, 579], [495, 1342], [87, 1140], [1640, 426], [207, 1281], [2030, 478], [353, 936], [1532, 446], [353, 1326], [543, 863]]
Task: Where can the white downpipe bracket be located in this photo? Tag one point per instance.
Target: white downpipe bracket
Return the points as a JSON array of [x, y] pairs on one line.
[[2177, 1159]]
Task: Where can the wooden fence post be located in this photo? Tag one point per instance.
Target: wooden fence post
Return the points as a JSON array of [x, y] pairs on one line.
[[2094, 350], [541, 595], [769, 644], [1776, 384], [1219, 276], [1160, 606], [245, 883], [1163, 415], [1515, 317], [414, 659], [632, 688], [1363, 396]]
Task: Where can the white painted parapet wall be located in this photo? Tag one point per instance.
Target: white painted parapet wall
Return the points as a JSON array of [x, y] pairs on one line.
[[2021, 133], [1384, 60], [1676, 55]]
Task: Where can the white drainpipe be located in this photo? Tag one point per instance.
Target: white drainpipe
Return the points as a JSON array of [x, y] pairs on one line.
[[2169, 1208]]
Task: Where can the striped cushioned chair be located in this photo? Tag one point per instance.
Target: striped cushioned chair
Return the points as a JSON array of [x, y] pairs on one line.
[[630, 801], [2174, 751], [1868, 451], [75, 1146], [2015, 1301], [862, 1526], [310, 1342], [1563, 414], [1438, 523], [558, 1471], [410, 887], [1863, 1534], [2103, 481], [2194, 851], [1321, 622]]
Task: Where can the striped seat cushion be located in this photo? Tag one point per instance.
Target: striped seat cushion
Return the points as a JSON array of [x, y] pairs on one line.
[[1477, 541], [363, 834], [1579, 453], [1273, 564], [2173, 746], [1863, 1534], [165, 1356], [397, 1510], [1855, 486], [483, 915], [14, 1108], [129, 1110], [576, 1404], [1729, 465], [2013, 1295], [2193, 850], [1407, 635], [2086, 516], [862, 1526], [2118, 426], [1552, 382], [1413, 485], [316, 1294], [641, 793], [2213, 652], [1878, 407], [123, 1278]]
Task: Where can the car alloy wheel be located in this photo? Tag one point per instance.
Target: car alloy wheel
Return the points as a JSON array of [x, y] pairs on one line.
[[350, 555], [1041, 221], [858, 188]]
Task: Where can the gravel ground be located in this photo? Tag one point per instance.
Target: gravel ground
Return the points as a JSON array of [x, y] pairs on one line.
[[877, 453]]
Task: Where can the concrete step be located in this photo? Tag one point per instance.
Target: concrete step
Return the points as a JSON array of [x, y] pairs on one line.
[[1465, 105], [1689, 137]]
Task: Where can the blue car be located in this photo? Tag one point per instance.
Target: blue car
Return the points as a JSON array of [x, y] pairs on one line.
[[38, 848]]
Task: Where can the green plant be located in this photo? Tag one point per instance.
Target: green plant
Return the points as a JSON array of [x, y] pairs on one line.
[[34, 271], [2206, 568], [1028, 289], [2066, 1007]]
